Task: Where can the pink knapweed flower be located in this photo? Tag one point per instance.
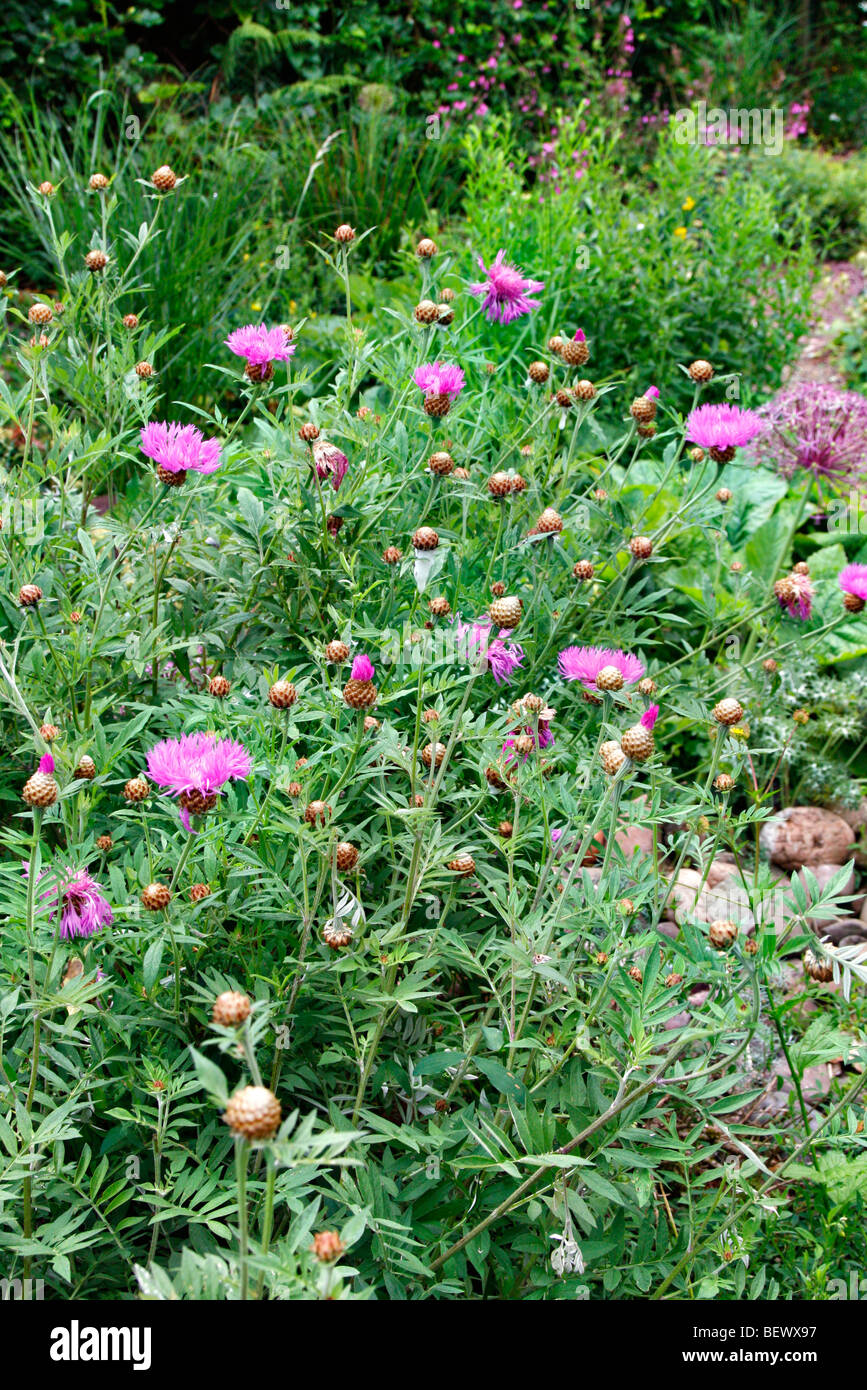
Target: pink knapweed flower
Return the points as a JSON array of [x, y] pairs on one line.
[[584, 664], [721, 429], [815, 427], [363, 669], [260, 345], [477, 646], [195, 767], [46, 763], [83, 907], [439, 379], [180, 448], [649, 717], [853, 580], [329, 461], [505, 291], [794, 592]]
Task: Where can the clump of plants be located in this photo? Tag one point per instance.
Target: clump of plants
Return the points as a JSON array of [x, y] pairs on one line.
[[332, 964]]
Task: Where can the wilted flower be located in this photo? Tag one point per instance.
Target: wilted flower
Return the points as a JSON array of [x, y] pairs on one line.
[[816, 427], [84, 909], [584, 664], [329, 461], [195, 767], [504, 291], [260, 345], [794, 592], [477, 646], [721, 429], [180, 448]]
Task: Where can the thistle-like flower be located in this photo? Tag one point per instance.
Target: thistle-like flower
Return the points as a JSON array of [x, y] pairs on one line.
[[794, 592], [477, 646], [84, 909], [584, 664], [504, 291], [722, 429], [262, 347], [853, 581], [179, 449], [329, 462], [195, 768], [440, 380]]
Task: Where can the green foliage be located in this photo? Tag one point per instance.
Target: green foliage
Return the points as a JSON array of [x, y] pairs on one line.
[[486, 1089]]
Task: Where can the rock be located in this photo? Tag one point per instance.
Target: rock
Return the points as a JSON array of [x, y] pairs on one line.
[[844, 933], [669, 929], [855, 817], [634, 837], [677, 1021], [864, 914], [685, 898], [720, 869], [808, 835]]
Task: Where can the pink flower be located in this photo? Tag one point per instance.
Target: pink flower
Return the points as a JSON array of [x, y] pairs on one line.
[[260, 345], [46, 763], [362, 669], [84, 909], [504, 292], [439, 379], [584, 664], [478, 648], [852, 580], [653, 392], [197, 764], [649, 717], [180, 448], [794, 592], [328, 459], [722, 429]]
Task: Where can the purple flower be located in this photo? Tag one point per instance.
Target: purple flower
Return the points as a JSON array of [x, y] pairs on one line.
[[84, 909], [439, 379], [584, 664], [794, 592], [195, 767], [504, 291], [328, 460], [180, 448], [853, 580], [816, 427], [722, 428], [260, 345], [476, 646], [362, 669], [649, 717], [46, 763]]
